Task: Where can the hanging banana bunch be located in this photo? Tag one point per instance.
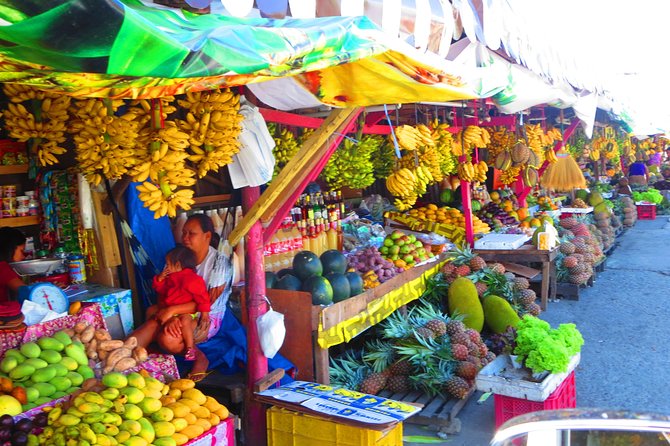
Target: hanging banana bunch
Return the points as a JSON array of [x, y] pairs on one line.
[[213, 124], [443, 147], [466, 171], [351, 164], [412, 138], [408, 185], [162, 169], [550, 155], [286, 146], [510, 175], [470, 138], [43, 126], [104, 143], [383, 160]]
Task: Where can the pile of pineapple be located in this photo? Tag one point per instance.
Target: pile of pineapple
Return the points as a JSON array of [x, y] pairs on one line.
[[426, 351], [579, 251]]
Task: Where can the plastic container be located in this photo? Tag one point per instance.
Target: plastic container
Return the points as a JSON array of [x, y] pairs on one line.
[[646, 211], [77, 268], [22, 211], [9, 190], [288, 428], [22, 201], [564, 397]]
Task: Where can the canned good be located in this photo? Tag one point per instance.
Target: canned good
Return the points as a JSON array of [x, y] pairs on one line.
[[9, 190], [9, 203], [77, 268], [22, 211], [22, 200], [8, 213]]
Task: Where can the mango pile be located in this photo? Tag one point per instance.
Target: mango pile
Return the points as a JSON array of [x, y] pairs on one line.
[[47, 369], [133, 410]]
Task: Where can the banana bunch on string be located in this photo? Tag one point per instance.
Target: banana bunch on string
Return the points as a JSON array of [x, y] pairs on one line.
[[550, 155], [408, 185], [162, 169], [510, 175], [351, 164], [213, 123], [286, 146], [383, 160], [164, 198], [470, 172], [425, 157], [502, 140], [470, 138], [412, 138], [443, 147], [42, 123], [104, 142]]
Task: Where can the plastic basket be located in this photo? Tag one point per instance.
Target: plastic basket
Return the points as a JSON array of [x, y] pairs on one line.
[[646, 212], [564, 397], [288, 428]]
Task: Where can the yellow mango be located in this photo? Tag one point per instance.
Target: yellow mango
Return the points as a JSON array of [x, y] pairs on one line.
[[182, 384], [180, 438], [179, 409], [195, 395], [179, 424], [201, 412], [136, 441], [193, 431], [223, 412], [205, 424], [164, 429], [192, 405], [175, 393], [214, 419], [190, 418], [122, 436], [167, 400], [212, 404], [163, 414]]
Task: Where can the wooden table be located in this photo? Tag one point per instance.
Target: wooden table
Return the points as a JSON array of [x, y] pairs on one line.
[[528, 254]]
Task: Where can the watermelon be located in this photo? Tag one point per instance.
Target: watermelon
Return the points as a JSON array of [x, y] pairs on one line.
[[307, 264], [288, 282], [282, 272], [333, 261], [320, 288], [341, 286], [270, 279], [446, 196], [355, 283]]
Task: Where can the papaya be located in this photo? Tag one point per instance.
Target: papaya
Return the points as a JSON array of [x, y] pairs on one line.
[[462, 299], [499, 314]]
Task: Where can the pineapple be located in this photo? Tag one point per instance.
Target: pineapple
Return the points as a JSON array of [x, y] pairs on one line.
[[457, 386], [424, 332], [462, 256], [431, 318], [460, 338], [437, 326], [347, 371], [568, 223], [402, 367], [481, 288], [462, 270], [477, 263], [373, 383], [455, 326], [520, 283], [483, 350], [466, 370], [474, 335], [475, 360], [570, 261], [567, 248], [459, 351], [497, 268], [490, 356], [397, 384], [379, 354], [534, 309], [448, 269], [431, 380], [527, 297], [397, 326]]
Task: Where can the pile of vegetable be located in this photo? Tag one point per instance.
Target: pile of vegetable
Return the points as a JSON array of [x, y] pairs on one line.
[[370, 259], [650, 196]]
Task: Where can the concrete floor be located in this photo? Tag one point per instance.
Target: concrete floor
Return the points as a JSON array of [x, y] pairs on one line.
[[624, 321]]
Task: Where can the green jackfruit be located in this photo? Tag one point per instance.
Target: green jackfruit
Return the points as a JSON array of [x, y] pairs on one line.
[[463, 299], [595, 198], [499, 314]]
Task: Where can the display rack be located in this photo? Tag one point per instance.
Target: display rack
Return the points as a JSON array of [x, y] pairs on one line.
[[16, 222], [14, 169]]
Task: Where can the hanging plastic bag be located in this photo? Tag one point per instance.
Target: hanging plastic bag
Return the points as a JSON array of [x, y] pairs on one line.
[[271, 332]]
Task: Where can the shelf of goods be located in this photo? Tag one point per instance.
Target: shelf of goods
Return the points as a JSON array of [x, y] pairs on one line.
[[342, 321], [20, 221], [14, 169]]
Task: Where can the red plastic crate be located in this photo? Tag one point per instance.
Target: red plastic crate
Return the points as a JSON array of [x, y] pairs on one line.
[[646, 212], [564, 397]]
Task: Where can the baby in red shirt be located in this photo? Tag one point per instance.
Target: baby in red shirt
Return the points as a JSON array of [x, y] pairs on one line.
[[179, 288]]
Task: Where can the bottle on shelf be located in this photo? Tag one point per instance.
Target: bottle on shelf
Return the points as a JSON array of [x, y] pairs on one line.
[[332, 234]]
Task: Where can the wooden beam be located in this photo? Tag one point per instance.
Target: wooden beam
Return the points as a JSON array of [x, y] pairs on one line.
[[289, 178]]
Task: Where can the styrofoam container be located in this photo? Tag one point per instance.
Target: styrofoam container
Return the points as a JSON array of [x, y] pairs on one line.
[[501, 241], [501, 378], [565, 210]]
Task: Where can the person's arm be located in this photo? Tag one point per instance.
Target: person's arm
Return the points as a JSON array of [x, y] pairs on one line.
[[14, 284], [196, 286]]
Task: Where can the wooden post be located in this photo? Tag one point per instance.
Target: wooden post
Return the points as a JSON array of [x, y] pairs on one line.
[[257, 364]]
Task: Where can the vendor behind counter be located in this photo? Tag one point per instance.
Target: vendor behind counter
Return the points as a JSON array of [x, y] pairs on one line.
[[12, 245]]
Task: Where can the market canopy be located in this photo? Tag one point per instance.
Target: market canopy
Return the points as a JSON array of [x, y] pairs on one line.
[[130, 50]]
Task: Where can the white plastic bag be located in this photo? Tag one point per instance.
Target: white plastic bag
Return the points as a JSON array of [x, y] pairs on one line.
[[271, 332]]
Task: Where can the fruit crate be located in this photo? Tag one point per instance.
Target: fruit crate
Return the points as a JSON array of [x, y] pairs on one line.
[[646, 211], [564, 397], [289, 428]]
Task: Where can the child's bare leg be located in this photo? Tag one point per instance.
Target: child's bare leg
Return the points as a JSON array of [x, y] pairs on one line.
[[188, 325]]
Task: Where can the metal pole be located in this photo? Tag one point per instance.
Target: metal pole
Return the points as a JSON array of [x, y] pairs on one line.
[[257, 364]]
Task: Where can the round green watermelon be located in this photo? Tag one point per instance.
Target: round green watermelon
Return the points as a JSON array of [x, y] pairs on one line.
[[307, 264], [289, 282], [341, 286], [320, 288], [333, 261], [270, 279], [355, 283], [282, 272], [446, 196]]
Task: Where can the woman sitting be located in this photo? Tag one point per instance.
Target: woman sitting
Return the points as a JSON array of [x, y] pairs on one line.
[[12, 244]]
